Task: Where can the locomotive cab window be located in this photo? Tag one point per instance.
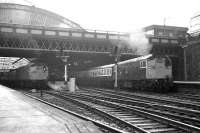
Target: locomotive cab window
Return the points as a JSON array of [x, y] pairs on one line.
[[143, 64]]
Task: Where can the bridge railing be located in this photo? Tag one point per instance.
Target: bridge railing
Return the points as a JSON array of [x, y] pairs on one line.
[[62, 32]]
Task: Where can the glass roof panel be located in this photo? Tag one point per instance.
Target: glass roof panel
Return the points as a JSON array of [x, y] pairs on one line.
[[7, 63]]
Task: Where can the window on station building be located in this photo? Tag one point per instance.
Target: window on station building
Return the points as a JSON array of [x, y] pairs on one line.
[[171, 34], [154, 40], [174, 41], [160, 33], [150, 32], [168, 51], [180, 35], [164, 41]]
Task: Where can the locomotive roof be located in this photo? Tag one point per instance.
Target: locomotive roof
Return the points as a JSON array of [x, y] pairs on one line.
[[110, 65], [126, 61], [136, 59]]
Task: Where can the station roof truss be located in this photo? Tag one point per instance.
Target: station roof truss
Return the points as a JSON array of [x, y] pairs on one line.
[[9, 63], [12, 13]]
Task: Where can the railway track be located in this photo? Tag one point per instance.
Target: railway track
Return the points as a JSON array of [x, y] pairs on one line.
[[140, 120], [187, 116], [80, 110], [188, 90], [187, 97], [151, 99]]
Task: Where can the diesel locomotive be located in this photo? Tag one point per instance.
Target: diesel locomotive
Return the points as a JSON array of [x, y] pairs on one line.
[[30, 76], [145, 73]]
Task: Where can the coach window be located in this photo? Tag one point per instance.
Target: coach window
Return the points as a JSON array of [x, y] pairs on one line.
[[142, 64], [106, 71], [102, 71], [90, 74], [94, 73], [110, 71]]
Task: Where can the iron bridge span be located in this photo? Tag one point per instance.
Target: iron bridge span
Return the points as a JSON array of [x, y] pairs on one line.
[[29, 41]]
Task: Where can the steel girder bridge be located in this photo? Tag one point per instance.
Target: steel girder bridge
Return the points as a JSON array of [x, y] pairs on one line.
[[32, 38], [34, 41], [31, 32]]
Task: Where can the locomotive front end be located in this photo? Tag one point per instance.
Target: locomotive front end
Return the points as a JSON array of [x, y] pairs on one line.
[[160, 70]]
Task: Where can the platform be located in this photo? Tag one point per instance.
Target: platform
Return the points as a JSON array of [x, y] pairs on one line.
[[21, 114], [187, 82]]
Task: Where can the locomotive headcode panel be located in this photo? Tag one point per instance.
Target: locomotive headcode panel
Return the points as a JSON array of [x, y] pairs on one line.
[[150, 73]]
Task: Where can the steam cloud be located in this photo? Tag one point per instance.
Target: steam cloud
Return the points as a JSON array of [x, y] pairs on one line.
[[139, 43]]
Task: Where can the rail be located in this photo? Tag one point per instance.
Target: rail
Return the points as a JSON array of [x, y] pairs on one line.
[[190, 116], [193, 86], [187, 82], [126, 110], [100, 124]]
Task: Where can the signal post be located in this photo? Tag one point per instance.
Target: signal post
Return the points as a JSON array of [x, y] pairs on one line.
[[117, 57]]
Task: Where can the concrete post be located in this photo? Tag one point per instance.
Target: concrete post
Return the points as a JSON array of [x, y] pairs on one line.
[[72, 84], [116, 84], [185, 64], [65, 73]]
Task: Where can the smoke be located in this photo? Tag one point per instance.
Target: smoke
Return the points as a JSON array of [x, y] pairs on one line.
[[57, 85], [139, 43]]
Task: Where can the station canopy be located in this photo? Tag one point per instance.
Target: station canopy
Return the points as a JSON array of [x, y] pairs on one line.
[[10, 63]]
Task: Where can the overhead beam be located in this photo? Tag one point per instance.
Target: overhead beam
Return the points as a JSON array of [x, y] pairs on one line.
[[17, 61]]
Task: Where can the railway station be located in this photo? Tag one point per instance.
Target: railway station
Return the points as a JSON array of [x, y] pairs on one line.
[[56, 76]]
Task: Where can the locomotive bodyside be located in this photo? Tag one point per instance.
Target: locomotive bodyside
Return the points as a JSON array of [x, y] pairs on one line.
[[146, 73], [132, 73], [32, 72]]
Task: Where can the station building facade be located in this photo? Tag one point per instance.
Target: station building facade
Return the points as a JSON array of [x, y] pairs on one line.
[[191, 50], [169, 40]]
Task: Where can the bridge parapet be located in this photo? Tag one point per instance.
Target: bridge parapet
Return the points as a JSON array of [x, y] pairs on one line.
[[28, 39], [61, 32]]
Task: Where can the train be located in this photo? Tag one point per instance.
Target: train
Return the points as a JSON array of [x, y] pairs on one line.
[[145, 73], [30, 76], [35, 75]]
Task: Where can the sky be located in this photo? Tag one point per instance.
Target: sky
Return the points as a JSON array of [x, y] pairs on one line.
[[121, 15]]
